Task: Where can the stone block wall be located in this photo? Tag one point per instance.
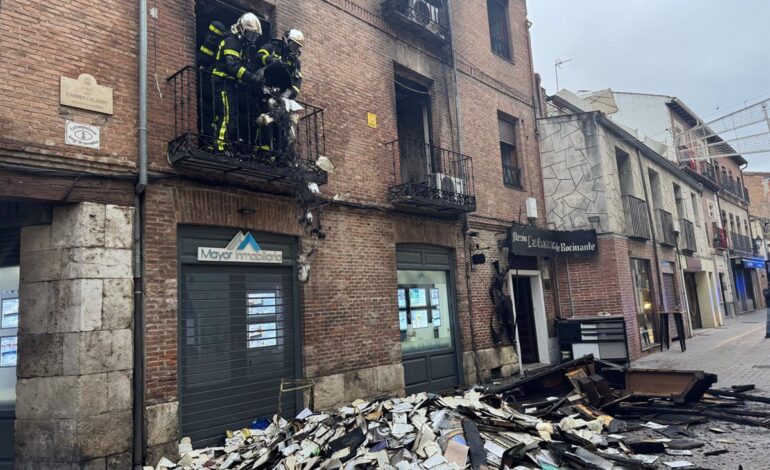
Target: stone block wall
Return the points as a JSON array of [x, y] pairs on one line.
[[74, 388]]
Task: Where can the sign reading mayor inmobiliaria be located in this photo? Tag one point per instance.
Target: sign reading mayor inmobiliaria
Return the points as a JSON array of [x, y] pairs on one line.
[[529, 240]]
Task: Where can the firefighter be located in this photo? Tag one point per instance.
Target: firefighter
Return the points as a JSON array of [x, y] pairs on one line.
[[286, 50], [229, 69], [208, 49]]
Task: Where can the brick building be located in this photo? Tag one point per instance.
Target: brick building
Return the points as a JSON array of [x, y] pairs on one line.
[[393, 302], [654, 253]]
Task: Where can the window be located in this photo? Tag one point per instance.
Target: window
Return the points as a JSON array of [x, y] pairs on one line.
[[261, 310], [509, 151], [712, 212], [657, 201], [413, 124], [625, 173], [680, 214], [643, 296], [695, 208], [498, 28], [423, 311]]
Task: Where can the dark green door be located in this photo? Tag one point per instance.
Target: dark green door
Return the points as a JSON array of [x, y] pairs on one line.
[[427, 319]]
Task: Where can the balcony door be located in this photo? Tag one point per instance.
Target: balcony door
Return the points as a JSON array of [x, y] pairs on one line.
[[414, 130]]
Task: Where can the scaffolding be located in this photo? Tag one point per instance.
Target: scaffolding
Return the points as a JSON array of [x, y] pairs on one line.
[[743, 132]]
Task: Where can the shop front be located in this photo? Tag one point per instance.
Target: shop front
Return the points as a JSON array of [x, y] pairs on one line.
[[747, 282], [644, 301], [427, 317], [9, 324], [528, 247], [239, 329]]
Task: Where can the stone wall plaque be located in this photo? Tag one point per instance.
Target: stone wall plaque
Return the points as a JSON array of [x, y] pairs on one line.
[[85, 93]]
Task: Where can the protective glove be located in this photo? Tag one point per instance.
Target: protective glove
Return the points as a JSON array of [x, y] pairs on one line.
[[253, 80]]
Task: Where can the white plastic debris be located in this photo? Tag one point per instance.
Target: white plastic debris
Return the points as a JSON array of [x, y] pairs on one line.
[[678, 464], [325, 164]]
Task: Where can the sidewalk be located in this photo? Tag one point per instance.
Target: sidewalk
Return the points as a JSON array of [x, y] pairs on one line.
[[737, 352]]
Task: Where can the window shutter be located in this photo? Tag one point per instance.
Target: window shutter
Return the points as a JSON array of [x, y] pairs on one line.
[[507, 131]]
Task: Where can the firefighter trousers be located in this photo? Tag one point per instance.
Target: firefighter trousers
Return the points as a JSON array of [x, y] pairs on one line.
[[225, 113]]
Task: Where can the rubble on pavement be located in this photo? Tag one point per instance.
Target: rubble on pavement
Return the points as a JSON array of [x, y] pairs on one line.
[[566, 417]]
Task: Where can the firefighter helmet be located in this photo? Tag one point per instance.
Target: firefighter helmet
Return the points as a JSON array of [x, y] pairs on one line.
[[248, 27], [295, 39]]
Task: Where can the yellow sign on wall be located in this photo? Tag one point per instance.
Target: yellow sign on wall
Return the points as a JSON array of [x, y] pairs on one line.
[[371, 120]]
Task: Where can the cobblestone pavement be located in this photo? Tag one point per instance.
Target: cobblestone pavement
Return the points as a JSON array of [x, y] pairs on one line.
[[737, 352]]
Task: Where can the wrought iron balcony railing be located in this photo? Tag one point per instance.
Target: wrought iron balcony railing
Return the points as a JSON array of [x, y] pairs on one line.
[[637, 221], [512, 176], [666, 235], [741, 244], [268, 153], [707, 170], [687, 234], [426, 18], [734, 188], [431, 179]]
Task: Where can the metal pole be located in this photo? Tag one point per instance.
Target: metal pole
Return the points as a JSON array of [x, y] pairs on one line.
[[138, 344]]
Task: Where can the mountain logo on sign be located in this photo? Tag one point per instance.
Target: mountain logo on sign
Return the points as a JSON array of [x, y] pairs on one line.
[[241, 242]]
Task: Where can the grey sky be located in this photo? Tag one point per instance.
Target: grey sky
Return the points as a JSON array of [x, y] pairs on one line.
[[713, 54]]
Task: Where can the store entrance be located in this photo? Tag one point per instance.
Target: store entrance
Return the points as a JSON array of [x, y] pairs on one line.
[[691, 288], [426, 316], [239, 332], [525, 319], [10, 241]]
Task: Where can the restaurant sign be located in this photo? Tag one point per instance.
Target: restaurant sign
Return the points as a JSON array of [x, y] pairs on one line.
[[529, 240]]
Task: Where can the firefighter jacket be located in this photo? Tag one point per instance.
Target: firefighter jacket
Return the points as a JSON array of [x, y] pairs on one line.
[[208, 49], [278, 51], [232, 59]]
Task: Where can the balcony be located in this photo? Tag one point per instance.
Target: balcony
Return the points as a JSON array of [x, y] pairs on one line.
[[637, 221], [427, 19], [702, 172], [719, 240], [512, 176], [687, 231], [430, 179], [287, 157], [666, 234], [733, 188], [741, 244]]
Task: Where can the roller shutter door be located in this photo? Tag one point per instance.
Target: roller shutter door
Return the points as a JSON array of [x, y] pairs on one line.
[[238, 339]]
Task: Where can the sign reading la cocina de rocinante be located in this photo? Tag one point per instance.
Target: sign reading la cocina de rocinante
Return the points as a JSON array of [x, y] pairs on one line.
[[532, 241]]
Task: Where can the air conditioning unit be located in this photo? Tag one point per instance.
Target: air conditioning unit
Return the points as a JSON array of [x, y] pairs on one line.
[[423, 12], [428, 14], [449, 184]]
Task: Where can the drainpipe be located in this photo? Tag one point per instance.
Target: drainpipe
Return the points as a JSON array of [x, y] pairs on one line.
[[466, 220], [138, 395]]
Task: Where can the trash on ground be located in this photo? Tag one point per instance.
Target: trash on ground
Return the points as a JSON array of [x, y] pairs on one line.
[[574, 415]]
